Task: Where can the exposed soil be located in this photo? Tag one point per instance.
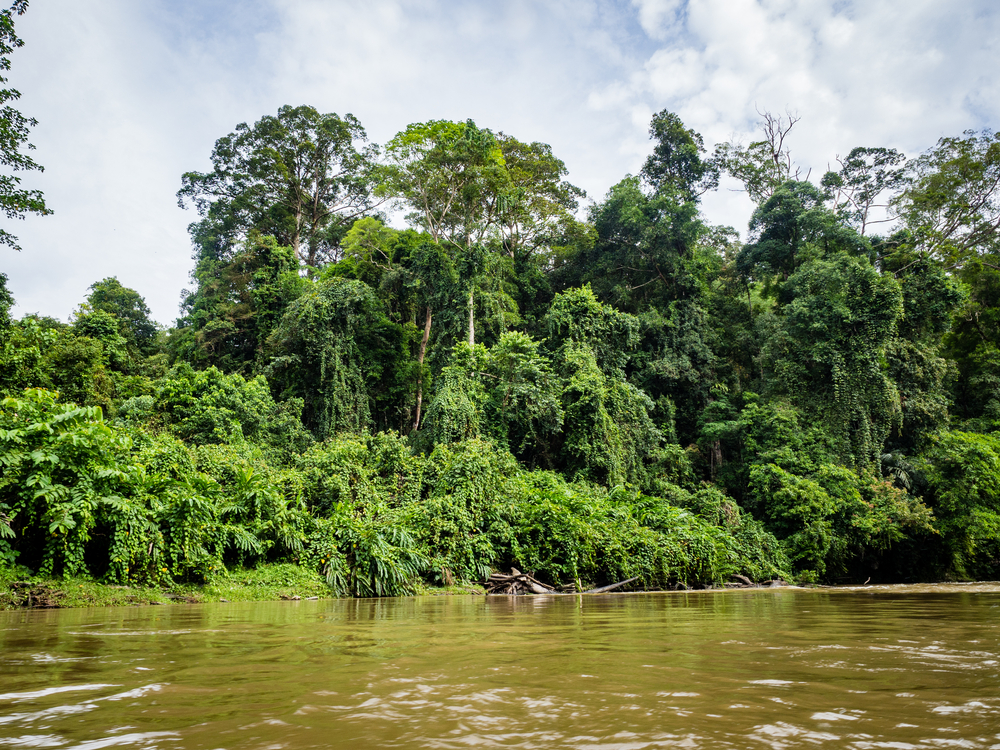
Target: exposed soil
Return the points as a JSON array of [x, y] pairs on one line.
[[35, 595]]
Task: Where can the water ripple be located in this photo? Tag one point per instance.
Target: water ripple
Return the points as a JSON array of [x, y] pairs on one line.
[[781, 670]]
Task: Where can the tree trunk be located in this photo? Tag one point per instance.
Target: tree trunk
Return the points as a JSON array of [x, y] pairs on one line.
[[472, 323], [716, 458], [420, 360], [297, 237]]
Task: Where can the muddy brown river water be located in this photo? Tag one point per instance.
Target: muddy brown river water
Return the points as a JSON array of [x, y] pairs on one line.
[[876, 667]]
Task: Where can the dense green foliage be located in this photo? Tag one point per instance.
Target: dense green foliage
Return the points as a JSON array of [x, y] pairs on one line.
[[15, 201], [638, 395]]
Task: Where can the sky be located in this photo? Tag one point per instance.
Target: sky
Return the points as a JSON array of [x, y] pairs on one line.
[[130, 94]]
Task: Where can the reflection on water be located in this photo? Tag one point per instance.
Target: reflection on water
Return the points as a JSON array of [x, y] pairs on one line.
[[879, 667]]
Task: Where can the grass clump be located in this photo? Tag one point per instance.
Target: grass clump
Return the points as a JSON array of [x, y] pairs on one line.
[[264, 583]]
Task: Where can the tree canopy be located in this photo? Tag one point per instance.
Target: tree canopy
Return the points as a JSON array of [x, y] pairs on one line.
[[299, 176]]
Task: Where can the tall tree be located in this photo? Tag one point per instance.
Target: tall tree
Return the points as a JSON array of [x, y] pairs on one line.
[[301, 177], [536, 203], [451, 175], [766, 164], [676, 165], [469, 187], [648, 259], [952, 200], [865, 175], [15, 201], [488, 200]]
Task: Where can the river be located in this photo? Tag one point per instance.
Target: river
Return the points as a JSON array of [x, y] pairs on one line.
[[875, 667]]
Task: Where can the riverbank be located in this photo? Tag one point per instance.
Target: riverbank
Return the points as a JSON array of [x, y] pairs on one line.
[[279, 581], [264, 583], [276, 582]]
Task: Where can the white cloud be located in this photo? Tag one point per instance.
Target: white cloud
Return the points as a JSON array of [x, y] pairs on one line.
[[658, 17], [676, 74]]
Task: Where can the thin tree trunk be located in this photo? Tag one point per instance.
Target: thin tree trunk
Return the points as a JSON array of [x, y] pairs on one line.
[[297, 236], [472, 323], [420, 360], [716, 462]]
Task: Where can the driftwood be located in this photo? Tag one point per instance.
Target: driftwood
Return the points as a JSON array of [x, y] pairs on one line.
[[742, 582], [522, 583], [612, 587], [516, 583]]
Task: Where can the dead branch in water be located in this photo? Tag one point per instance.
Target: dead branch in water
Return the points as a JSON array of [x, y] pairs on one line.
[[521, 583]]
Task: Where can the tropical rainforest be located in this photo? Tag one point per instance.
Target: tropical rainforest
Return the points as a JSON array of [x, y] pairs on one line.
[[415, 363]]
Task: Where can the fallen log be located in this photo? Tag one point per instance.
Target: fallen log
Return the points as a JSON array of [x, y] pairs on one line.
[[515, 583], [612, 587], [518, 582]]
